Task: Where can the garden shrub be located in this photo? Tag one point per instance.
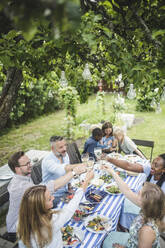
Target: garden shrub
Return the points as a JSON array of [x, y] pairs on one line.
[[34, 99], [145, 97]]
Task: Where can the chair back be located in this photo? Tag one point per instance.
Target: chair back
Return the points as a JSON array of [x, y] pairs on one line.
[[36, 173], [146, 143], [74, 154]]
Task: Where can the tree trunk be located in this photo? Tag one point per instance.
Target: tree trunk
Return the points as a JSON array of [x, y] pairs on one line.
[[9, 94]]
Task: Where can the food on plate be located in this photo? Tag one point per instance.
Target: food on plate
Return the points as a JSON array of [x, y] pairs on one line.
[[122, 174], [68, 236], [67, 198], [78, 215], [106, 178], [96, 197], [97, 182], [113, 189], [88, 207], [115, 155], [96, 224]]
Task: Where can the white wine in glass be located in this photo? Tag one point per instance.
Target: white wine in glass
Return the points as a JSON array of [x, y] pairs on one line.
[[97, 152], [84, 157], [90, 162]]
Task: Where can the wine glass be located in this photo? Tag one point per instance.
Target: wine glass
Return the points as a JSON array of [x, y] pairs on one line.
[[84, 157], [90, 162], [97, 152]]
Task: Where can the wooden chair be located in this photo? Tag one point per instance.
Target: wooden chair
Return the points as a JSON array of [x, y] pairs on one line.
[[74, 154], [145, 143]]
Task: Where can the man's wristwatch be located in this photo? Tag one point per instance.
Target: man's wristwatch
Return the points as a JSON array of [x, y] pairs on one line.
[[74, 173]]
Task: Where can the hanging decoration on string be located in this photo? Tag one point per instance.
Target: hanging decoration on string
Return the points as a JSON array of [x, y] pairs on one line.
[[131, 94], [86, 73], [63, 80], [158, 108], [153, 103]]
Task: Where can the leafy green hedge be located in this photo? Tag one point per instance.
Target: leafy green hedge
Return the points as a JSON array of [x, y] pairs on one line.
[[35, 98]]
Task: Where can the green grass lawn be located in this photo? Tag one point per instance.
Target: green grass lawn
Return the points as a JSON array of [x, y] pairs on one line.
[[35, 134]]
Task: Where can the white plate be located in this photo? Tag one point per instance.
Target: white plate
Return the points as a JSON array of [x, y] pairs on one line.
[[107, 225], [97, 182], [79, 236], [112, 184], [5, 177], [132, 173], [115, 155], [132, 157]]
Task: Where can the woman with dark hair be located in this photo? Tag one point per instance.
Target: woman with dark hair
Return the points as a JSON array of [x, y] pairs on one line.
[[108, 138], [39, 226], [144, 232]]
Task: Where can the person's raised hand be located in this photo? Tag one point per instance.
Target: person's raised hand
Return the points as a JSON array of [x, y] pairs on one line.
[[107, 168], [79, 169], [89, 175]]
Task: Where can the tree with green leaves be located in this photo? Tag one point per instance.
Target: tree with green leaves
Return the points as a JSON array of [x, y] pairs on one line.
[[115, 36]]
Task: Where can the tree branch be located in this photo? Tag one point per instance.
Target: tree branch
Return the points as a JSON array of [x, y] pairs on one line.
[[145, 27]]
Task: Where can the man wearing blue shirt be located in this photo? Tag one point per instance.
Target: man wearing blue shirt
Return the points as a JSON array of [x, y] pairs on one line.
[[57, 164], [93, 142]]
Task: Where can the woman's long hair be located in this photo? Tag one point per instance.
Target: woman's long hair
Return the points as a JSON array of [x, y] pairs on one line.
[[105, 126], [34, 218], [153, 202]]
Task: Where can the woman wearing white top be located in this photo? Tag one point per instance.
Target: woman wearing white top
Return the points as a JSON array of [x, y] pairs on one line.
[[125, 143], [39, 226]]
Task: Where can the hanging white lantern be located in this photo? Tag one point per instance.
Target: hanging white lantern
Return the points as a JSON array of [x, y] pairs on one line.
[[121, 85], [163, 95], [86, 73], [131, 94], [63, 80], [120, 77], [153, 103], [158, 109]]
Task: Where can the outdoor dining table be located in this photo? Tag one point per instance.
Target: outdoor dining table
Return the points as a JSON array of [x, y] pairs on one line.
[[110, 207]]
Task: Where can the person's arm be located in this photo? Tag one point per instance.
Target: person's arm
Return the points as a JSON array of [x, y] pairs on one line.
[[126, 165], [71, 167], [67, 212], [89, 176], [123, 186], [138, 152], [146, 237], [61, 181]]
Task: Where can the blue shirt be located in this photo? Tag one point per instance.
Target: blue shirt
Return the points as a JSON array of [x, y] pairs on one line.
[[106, 140], [53, 169], [90, 144]]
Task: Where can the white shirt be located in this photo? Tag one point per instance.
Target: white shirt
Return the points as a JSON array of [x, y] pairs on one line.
[[58, 221], [128, 146]]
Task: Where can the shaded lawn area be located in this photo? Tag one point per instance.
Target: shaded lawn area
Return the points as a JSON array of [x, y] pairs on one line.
[[36, 133]]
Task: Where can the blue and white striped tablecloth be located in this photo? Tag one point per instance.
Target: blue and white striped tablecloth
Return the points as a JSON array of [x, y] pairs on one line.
[[110, 206]]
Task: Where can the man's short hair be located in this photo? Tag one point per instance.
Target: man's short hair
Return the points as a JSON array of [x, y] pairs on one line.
[[56, 138], [13, 160], [97, 132]]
